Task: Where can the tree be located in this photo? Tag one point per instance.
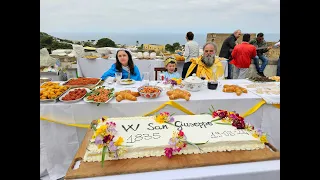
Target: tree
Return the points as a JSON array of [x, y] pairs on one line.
[[140, 48], [46, 40], [169, 48], [106, 42], [176, 45], [88, 44], [58, 45]]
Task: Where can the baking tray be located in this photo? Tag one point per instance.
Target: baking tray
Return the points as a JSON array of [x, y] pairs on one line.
[[85, 86], [76, 100], [53, 100], [98, 103]]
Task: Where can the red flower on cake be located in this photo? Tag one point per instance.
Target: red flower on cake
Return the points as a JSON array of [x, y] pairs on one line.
[[237, 121], [108, 138], [181, 133], [221, 113], [238, 124], [168, 152]]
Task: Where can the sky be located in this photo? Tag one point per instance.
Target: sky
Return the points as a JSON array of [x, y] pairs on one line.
[[159, 16]]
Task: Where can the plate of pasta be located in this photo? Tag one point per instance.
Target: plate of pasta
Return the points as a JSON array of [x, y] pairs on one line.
[[99, 94]]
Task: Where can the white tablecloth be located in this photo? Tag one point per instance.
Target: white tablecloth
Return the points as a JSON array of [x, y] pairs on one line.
[[95, 68], [61, 142]]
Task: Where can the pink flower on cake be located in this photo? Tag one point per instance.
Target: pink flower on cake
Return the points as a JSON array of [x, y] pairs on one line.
[[168, 152]]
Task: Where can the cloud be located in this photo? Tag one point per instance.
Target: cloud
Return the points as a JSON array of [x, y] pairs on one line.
[[159, 16]]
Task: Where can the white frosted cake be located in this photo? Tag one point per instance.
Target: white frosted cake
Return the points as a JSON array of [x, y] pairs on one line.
[[144, 137]]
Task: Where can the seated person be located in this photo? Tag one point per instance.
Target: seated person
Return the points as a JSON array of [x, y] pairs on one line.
[[207, 65], [124, 64], [170, 64]]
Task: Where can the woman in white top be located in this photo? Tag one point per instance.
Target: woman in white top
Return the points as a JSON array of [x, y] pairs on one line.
[[191, 50]]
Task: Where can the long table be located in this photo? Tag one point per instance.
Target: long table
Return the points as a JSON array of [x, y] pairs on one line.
[[95, 68], [60, 142]]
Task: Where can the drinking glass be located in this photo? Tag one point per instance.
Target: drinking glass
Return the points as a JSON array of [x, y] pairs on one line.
[[118, 76], [145, 78]]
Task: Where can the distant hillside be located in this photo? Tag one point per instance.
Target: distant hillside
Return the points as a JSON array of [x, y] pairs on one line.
[[52, 43]]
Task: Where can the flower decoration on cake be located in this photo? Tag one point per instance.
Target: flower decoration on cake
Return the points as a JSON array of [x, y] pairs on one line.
[[259, 134], [164, 117], [220, 113], [177, 142], [104, 137], [226, 117], [234, 119]]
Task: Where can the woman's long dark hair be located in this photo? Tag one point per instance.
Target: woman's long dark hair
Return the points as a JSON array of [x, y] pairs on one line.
[[130, 62]]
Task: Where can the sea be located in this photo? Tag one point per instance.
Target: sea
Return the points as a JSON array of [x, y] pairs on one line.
[[145, 38]]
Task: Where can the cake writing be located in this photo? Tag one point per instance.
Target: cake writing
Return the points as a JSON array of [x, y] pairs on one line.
[[130, 127], [140, 137], [217, 134], [151, 127], [180, 124]]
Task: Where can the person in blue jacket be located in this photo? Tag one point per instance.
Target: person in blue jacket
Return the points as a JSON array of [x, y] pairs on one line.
[[124, 64]]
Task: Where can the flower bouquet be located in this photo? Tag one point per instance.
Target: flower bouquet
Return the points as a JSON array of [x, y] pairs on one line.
[[104, 137]]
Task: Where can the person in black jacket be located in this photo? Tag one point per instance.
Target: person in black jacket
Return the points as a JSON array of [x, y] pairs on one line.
[[227, 47]]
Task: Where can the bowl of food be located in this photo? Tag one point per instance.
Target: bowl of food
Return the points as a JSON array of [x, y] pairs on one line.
[[150, 92], [44, 79]]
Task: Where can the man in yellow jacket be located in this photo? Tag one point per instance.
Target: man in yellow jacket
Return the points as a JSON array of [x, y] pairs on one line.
[[207, 65]]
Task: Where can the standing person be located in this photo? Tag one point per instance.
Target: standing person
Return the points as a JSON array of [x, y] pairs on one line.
[[262, 48], [278, 66], [227, 47], [191, 50], [241, 57]]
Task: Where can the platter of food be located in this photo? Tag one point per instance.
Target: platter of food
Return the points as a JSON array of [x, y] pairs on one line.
[[266, 89], [99, 94], [51, 91], [91, 57], [74, 95], [82, 82], [127, 81], [261, 79]]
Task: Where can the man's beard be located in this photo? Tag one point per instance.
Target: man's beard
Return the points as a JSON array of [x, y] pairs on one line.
[[208, 60]]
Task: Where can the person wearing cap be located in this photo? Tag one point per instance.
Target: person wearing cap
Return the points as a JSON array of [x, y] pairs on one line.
[[124, 64], [170, 64]]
